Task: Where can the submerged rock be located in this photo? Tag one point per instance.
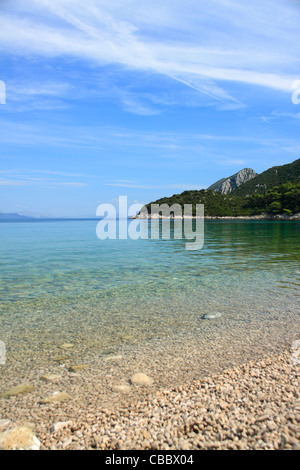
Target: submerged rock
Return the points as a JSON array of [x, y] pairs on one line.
[[67, 346], [51, 378], [18, 390], [56, 397], [141, 379], [211, 316], [113, 358], [61, 358], [19, 438], [121, 388], [78, 367]]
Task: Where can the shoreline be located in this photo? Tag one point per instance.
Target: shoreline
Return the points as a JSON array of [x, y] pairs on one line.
[[254, 405], [277, 217]]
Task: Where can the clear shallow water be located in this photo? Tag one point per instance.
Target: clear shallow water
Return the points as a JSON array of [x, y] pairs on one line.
[[59, 283]]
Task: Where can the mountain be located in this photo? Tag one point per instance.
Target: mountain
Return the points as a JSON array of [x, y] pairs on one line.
[[34, 215], [227, 185], [283, 199], [12, 217], [274, 176], [275, 191]]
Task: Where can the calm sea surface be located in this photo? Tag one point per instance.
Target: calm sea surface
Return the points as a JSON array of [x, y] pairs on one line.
[[60, 284]]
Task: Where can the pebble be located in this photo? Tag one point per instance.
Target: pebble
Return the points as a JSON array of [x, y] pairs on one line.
[[121, 388], [4, 424], [113, 358], [78, 367], [211, 316], [60, 425], [51, 378]]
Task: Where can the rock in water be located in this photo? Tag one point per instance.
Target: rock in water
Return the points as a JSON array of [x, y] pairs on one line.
[[77, 368], [56, 397], [51, 378], [211, 316], [19, 438], [121, 388], [18, 390], [67, 346], [141, 379]]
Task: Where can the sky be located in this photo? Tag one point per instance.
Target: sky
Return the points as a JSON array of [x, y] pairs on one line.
[[101, 99]]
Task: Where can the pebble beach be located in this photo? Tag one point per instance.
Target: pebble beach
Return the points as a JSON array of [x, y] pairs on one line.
[[254, 405]]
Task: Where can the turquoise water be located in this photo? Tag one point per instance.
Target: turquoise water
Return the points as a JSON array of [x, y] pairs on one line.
[[59, 283]]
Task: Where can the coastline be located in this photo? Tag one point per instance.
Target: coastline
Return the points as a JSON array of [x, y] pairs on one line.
[[276, 217], [254, 405]]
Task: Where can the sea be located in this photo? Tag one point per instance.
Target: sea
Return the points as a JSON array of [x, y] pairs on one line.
[[234, 299]]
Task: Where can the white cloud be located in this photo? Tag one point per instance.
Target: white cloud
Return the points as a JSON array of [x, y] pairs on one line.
[[201, 45], [175, 186], [30, 182], [27, 177]]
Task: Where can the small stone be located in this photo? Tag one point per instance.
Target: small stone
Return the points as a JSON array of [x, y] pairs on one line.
[[211, 316], [66, 442], [4, 424], [51, 378], [61, 358], [112, 358], [18, 390], [141, 379], [262, 418], [78, 367], [67, 346], [121, 388], [60, 425]]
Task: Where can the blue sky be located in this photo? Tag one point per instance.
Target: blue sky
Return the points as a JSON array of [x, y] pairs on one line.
[[143, 99]]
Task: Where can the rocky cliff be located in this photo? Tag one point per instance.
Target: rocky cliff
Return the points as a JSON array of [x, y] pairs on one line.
[[227, 185]]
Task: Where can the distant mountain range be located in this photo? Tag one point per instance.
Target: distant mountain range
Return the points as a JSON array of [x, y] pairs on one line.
[[22, 216], [7, 217], [14, 217]]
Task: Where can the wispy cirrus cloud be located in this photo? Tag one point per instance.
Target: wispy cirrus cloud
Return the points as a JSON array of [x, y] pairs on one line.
[[33, 177], [137, 185], [43, 182], [280, 115], [202, 46]]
